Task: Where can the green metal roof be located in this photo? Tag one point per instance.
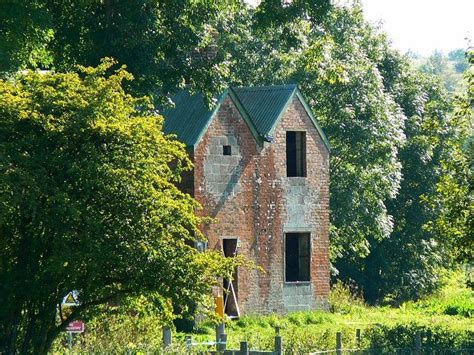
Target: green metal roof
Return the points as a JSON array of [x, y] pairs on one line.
[[261, 107], [188, 118], [264, 104]]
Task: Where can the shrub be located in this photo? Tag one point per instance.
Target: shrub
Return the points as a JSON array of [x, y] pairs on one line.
[[343, 300], [437, 337]]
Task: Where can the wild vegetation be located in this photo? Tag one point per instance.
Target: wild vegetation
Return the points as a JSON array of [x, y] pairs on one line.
[[445, 320], [81, 152]]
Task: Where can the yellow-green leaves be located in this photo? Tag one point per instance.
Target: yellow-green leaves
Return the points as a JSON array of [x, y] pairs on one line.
[[88, 203]]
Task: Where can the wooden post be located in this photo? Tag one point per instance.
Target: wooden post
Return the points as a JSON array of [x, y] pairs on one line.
[[338, 343], [358, 338], [189, 342], [166, 337], [278, 345], [418, 343], [244, 348], [219, 300]]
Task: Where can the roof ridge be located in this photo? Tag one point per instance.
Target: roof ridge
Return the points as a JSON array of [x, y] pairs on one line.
[[266, 88]]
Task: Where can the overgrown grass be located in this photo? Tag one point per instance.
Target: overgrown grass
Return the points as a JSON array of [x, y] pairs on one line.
[[453, 299], [445, 320]]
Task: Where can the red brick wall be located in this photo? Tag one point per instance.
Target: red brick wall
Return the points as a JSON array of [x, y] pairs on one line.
[[251, 198]]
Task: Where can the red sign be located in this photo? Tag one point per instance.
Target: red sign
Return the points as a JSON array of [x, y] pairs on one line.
[[76, 326]]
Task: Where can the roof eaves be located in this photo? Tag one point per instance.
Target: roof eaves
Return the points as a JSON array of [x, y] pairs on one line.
[[245, 116], [211, 117]]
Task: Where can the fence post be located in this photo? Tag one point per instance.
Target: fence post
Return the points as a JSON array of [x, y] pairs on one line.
[[358, 338], [166, 337], [223, 342], [220, 329], [244, 348], [189, 342], [418, 343], [278, 345], [338, 343]]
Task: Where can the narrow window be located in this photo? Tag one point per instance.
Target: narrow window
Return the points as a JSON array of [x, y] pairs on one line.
[[227, 150], [295, 153], [297, 257]]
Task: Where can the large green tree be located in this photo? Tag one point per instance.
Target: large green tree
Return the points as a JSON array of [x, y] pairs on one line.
[[335, 64], [88, 203], [387, 123], [454, 200], [165, 44], [406, 265]]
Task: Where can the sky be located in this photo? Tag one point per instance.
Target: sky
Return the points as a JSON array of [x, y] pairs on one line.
[[422, 26]]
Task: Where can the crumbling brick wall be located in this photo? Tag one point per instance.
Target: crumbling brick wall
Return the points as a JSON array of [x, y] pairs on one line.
[[251, 198]]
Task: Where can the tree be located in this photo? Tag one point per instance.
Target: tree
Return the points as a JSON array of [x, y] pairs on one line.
[[448, 68], [24, 35], [406, 265], [459, 59], [387, 124], [88, 203], [454, 200], [335, 65], [161, 42]]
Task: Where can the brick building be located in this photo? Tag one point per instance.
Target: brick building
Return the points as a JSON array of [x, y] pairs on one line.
[[261, 170]]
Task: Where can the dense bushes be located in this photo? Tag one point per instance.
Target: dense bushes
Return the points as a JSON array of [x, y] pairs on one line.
[[437, 337], [455, 298]]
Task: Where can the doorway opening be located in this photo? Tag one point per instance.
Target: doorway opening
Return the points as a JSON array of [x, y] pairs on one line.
[[231, 288]]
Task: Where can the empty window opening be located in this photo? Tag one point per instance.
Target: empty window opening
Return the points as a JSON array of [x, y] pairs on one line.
[[227, 150], [231, 288], [295, 153], [297, 257]]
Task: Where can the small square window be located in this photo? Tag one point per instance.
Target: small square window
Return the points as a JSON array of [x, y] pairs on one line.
[[227, 150]]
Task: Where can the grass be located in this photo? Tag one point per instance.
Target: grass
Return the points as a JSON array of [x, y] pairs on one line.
[[445, 318], [446, 315]]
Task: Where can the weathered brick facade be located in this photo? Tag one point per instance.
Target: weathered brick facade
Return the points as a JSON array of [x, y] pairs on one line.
[[251, 198]]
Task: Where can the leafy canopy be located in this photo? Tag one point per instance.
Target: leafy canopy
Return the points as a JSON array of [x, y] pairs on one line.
[[89, 203]]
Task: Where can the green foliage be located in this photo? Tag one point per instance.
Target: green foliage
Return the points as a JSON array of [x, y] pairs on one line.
[[343, 300], [459, 59], [454, 200], [89, 203], [405, 266], [24, 35], [455, 298], [449, 68], [302, 332], [117, 331], [159, 41], [401, 336]]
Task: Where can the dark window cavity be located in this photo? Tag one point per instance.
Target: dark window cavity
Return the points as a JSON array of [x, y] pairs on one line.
[[231, 288], [227, 150], [297, 257], [295, 153]]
